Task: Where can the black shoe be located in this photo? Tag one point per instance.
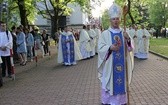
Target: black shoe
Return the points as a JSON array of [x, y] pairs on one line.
[[105, 104], [1, 83], [91, 56], [24, 63], [9, 76]]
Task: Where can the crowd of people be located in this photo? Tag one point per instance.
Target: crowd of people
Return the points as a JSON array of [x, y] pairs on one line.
[[73, 47], [116, 49], [22, 45], [140, 38], [85, 42]]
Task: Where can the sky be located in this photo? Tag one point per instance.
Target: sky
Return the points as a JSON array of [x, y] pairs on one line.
[[99, 10]]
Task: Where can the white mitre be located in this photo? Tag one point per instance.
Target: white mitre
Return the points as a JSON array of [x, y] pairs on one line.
[[115, 11]]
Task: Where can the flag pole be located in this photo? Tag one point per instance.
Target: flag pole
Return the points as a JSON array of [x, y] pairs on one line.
[[125, 10]]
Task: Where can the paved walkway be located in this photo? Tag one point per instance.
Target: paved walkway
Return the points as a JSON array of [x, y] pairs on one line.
[[52, 84], [149, 83]]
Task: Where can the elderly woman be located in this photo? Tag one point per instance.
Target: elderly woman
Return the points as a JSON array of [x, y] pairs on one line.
[[21, 46]]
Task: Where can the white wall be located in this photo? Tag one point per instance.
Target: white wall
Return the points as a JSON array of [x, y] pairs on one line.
[[77, 16], [40, 20]]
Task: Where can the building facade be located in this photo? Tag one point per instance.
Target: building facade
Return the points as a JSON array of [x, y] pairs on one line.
[[76, 20]]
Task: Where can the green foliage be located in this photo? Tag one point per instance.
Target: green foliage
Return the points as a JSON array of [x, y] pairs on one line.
[[13, 17], [105, 19], [61, 6], [148, 12], [31, 11], [139, 11], [13, 13], [158, 13]]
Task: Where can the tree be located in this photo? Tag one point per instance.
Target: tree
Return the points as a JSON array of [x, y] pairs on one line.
[[27, 10], [105, 19], [22, 12], [55, 9], [159, 15], [137, 11]]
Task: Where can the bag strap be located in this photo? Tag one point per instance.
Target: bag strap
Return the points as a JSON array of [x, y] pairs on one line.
[[7, 34]]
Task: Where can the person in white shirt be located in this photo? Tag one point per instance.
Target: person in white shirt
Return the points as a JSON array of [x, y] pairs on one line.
[[92, 35], [84, 42], [98, 33], [143, 44], [6, 45], [134, 35]]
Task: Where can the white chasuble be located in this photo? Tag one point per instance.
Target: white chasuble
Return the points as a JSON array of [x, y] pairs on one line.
[[143, 46], [105, 67], [66, 44]]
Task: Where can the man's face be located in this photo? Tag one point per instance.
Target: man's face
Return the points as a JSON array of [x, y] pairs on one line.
[[3, 27], [142, 26], [94, 26], [17, 30], [66, 29], [115, 22], [136, 28], [88, 27], [35, 31], [44, 32]]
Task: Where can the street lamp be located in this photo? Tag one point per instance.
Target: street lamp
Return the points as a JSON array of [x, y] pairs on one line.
[[4, 11], [164, 17]]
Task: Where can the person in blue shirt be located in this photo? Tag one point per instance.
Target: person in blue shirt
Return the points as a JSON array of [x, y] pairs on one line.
[[21, 46]]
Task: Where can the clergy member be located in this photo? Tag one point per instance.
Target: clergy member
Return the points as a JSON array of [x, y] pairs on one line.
[[92, 35], [68, 50], [133, 34], [98, 33], [143, 46], [84, 41], [114, 49]]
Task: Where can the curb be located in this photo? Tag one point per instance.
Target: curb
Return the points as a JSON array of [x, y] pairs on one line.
[[160, 55]]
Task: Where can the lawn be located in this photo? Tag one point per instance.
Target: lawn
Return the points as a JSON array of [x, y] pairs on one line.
[[159, 45]]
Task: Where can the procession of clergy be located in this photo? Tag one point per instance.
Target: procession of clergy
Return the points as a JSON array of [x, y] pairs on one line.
[[70, 50]]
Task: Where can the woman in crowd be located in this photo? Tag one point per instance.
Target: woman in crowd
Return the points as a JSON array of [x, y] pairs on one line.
[[45, 42], [29, 43], [21, 46]]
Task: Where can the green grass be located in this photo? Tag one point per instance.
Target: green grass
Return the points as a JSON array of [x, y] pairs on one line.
[[159, 45]]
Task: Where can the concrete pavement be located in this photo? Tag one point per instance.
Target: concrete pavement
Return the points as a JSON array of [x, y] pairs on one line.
[[52, 84]]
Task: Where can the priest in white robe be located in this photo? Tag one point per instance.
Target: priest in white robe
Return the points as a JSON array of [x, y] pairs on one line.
[[133, 34], [68, 50], [98, 33], [143, 46], [92, 35], [115, 57], [84, 43]]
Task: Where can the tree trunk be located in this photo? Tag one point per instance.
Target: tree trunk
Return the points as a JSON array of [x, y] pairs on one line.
[[129, 12], [54, 25], [131, 17], [54, 21], [22, 10]]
